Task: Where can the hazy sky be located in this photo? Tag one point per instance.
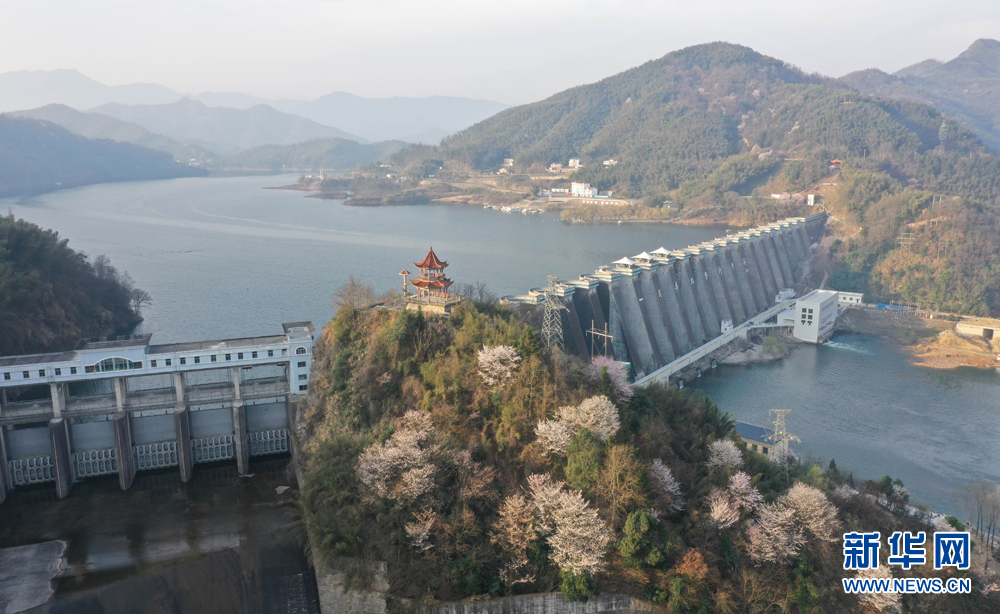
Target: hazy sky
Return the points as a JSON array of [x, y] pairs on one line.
[[512, 51]]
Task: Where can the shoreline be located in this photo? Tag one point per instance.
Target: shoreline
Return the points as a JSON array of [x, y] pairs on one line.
[[930, 343]]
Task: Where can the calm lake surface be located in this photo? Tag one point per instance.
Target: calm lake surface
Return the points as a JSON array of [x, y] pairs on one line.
[[224, 258], [857, 400]]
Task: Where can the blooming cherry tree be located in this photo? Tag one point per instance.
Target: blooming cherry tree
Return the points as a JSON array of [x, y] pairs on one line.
[[497, 364], [774, 536], [666, 485], [813, 511], [721, 509], [616, 372], [724, 453]]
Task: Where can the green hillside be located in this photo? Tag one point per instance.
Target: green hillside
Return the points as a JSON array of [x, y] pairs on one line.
[[51, 296], [313, 154], [697, 114], [718, 128], [966, 89], [476, 465], [38, 156]]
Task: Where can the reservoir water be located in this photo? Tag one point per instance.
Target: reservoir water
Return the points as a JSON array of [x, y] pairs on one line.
[[857, 400], [225, 258], [222, 257]]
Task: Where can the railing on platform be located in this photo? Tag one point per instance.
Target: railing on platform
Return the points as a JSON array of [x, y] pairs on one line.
[[263, 443], [155, 455], [90, 463], [211, 449], [32, 470]]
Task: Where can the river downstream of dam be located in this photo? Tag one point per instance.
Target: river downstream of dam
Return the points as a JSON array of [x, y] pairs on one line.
[[225, 258]]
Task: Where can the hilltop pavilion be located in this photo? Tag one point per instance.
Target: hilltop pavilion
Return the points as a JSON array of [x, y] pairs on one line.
[[431, 294]]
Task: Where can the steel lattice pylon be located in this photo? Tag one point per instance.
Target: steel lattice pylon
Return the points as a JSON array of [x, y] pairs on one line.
[[781, 439], [552, 328]]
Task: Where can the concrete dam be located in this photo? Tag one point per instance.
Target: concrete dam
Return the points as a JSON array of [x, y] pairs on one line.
[[118, 406], [658, 307]]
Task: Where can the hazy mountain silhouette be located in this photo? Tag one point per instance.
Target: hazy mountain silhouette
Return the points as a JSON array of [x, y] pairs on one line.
[[966, 88], [101, 126]]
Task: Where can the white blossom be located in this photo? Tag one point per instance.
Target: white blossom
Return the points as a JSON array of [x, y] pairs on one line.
[[400, 468], [553, 435], [844, 492], [743, 494], [813, 511], [545, 495], [419, 531], [514, 533], [666, 485], [880, 602], [497, 364], [616, 372], [723, 453], [723, 511], [581, 538], [774, 536], [596, 414]]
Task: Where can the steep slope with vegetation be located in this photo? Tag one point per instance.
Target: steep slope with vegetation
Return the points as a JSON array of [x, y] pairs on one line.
[[51, 296], [966, 89], [38, 156], [313, 154], [476, 464]]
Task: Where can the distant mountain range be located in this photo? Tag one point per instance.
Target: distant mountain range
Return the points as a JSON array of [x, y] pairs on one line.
[[423, 120], [101, 126], [222, 130], [38, 156], [315, 154], [966, 88]]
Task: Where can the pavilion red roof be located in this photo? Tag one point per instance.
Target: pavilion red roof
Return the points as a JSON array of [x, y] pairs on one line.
[[432, 284], [431, 261]]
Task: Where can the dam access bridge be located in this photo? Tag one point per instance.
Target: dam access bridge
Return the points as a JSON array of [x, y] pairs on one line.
[[121, 405], [665, 310]]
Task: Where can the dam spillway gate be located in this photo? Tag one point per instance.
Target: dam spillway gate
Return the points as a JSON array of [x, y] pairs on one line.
[[118, 406]]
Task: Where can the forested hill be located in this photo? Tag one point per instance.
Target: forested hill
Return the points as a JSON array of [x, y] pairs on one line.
[[966, 88], [708, 115], [51, 296], [38, 156], [313, 154]]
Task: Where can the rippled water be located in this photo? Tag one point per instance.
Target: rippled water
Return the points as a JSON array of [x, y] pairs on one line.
[[857, 400]]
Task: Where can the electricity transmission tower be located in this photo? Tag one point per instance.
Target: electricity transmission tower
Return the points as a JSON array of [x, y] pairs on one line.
[[552, 328], [906, 240], [781, 439]]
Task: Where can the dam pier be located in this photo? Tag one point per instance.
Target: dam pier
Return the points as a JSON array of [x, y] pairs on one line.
[[121, 405], [661, 310]]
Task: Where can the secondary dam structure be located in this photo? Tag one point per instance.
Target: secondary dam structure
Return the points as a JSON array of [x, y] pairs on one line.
[[121, 405], [658, 307]]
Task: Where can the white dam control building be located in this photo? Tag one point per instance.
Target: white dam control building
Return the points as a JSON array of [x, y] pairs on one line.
[[121, 405], [816, 316]]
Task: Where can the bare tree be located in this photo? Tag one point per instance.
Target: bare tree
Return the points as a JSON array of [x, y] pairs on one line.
[[355, 294], [138, 298], [619, 482]]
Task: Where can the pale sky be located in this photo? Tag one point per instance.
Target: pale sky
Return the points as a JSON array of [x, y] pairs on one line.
[[512, 51]]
